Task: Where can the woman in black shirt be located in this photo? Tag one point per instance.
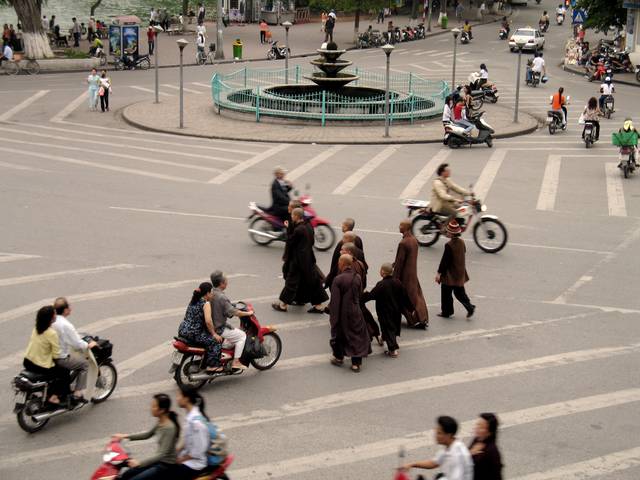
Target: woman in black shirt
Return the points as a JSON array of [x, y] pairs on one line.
[[487, 463]]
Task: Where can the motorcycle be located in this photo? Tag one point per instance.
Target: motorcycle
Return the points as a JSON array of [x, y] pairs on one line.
[[503, 34], [554, 121], [560, 19], [266, 228], [98, 52], [533, 80], [455, 137], [131, 62], [481, 92], [262, 350], [421, 32], [588, 134], [638, 73], [278, 52], [489, 233], [629, 165], [465, 38], [115, 458], [543, 27], [33, 411], [607, 106]]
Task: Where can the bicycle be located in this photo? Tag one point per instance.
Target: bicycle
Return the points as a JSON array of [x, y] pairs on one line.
[[9, 67], [12, 67]]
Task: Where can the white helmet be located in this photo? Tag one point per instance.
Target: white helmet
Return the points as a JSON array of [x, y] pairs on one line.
[[607, 80]]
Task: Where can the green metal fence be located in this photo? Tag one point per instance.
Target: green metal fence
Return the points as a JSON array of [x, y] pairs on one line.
[[250, 91]]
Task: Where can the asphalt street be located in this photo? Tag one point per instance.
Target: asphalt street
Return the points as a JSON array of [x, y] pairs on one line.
[[126, 223]]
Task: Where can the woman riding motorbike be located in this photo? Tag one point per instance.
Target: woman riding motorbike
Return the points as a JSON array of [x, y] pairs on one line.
[[591, 114]]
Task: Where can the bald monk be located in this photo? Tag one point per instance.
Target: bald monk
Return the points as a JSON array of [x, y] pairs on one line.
[[405, 269], [348, 236]]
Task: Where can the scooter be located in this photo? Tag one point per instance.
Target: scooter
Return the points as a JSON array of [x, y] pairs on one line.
[[266, 228], [554, 121], [465, 38], [503, 33], [588, 134], [454, 136], [262, 350], [608, 106], [131, 62], [533, 80], [115, 458], [629, 165], [543, 27], [560, 19], [278, 52]]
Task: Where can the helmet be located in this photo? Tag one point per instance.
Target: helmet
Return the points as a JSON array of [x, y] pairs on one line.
[[607, 80], [628, 124]]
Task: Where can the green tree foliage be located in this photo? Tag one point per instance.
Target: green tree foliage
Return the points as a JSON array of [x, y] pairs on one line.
[[346, 5], [603, 14]]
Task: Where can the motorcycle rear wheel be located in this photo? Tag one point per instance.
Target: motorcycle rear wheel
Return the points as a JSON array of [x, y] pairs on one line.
[[103, 59], [261, 225], [588, 142], [426, 230], [144, 64], [26, 421], [273, 344], [552, 128], [189, 363], [105, 383], [638, 75], [625, 170], [491, 229], [324, 238]]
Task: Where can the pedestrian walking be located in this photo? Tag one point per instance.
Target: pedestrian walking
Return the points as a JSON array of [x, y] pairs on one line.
[[151, 39], [405, 269], [487, 461], [45, 23], [323, 20], [76, 31], [201, 14], [349, 336], [91, 29], [380, 18], [329, 26], [303, 278], [348, 225], [52, 23], [459, 12], [93, 80], [391, 300], [452, 273], [263, 31]]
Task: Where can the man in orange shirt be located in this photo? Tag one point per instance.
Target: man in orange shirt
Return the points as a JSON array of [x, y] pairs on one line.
[[558, 104]]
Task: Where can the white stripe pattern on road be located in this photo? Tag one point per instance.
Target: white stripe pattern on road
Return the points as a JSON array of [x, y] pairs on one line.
[[22, 105], [615, 192], [179, 214], [549, 189], [148, 90], [203, 85], [4, 282], [489, 172], [188, 90], [241, 167], [355, 178], [313, 162], [14, 257], [66, 111], [421, 178]]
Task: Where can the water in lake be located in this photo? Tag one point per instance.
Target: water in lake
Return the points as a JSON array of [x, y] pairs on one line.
[[64, 10]]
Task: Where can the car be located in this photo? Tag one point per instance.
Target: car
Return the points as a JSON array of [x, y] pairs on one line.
[[530, 37]]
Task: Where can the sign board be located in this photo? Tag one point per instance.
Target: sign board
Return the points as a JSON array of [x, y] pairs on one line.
[[115, 40], [578, 16], [631, 4]]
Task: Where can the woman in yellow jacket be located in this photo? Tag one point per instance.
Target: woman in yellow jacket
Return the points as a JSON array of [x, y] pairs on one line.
[[43, 348]]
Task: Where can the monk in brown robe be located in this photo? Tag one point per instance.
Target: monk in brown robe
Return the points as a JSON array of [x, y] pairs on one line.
[[405, 269]]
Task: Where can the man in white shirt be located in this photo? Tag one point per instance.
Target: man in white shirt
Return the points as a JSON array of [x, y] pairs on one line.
[[538, 66], [7, 53], [606, 89], [70, 341], [45, 23], [453, 459]]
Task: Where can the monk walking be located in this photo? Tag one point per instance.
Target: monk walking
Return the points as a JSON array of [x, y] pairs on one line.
[[347, 236], [405, 269], [349, 336]]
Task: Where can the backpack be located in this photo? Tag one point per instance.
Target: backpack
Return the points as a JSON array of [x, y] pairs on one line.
[[217, 451]]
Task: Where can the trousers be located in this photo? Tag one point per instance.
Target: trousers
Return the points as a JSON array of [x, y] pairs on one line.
[[338, 351], [104, 100], [76, 362], [446, 298], [153, 471], [238, 338], [59, 375]]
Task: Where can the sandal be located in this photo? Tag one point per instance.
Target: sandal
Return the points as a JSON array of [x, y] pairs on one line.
[[315, 310], [215, 369], [278, 307], [355, 368], [393, 354], [336, 362], [379, 340]]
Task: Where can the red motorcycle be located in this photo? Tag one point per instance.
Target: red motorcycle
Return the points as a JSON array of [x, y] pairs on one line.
[[262, 350], [266, 228], [115, 459]]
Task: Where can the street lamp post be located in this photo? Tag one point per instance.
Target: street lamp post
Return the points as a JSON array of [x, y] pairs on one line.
[[456, 32], [219, 54], [286, 26], [157, 29], [429, 19], [520, 45], [387, 48], [181, 44]]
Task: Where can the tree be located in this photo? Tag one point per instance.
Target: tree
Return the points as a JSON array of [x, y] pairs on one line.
[[29, 12], [603, 14], [95, 5]]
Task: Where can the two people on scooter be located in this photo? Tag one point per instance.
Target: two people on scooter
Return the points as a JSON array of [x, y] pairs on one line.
[[628, 137], [506, 25], [537, 65], [460, 116], [592, 114]]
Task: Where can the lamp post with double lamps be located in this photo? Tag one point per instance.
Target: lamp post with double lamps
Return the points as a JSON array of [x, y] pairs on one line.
[[520, 44], [456, 32], [387, 49], [181, 44], [219, 53], [287, 26], [157, 29]]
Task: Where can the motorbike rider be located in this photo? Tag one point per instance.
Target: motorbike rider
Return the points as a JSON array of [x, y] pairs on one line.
[[537, 66], [460, 117], [222, 309], [506, 25], [544, 20], [558, 104], [95, 45], [70, 342], [467, 28], [606, 89], [442, 201], [280, 188], [561, 11], [591, 114], [484, 76], [447, 113], [627, 136]]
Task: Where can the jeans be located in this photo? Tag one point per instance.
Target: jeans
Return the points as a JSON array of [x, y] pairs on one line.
[[154, 471], [466, 124], [238, 338], [263, 36], [151, 47], [93, 98], [104, 100]]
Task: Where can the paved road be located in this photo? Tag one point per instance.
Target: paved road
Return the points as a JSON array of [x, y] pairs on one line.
[[126, 223]]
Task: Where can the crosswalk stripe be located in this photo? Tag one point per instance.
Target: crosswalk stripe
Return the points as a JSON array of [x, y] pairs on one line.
[[66, 273], [549, 189], [603, 466], [241, 167], [355, 178], [66, 111], [489, 172], [314, 162], [188, 90], [424, 439], [440, 64], [14, 257], [615, 192], [203, 85], [418, 181], [425, 53], [148, 90], [22, 105]]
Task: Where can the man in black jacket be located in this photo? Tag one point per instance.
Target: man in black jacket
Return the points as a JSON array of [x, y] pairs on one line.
[[280, 189]]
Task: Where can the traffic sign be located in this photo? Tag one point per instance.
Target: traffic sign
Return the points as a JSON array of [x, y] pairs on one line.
[[579, 16]]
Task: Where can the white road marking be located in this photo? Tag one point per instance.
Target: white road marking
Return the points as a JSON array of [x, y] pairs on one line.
[[595, 467], [440, 64], [489, 172], [180, 214], [22, 167], [420, 67], [204, 85], [583, 280], [188, 90], [425, 53], [84, 163], [66, 111], [14, 257], [241, 167], [549, 188], [421, 178], [439, 54], [355, 178], [22, 105], [314, 162], [615, 192], [566, 249], [148, 90], [48, 276], [403, 52], [417, 440]]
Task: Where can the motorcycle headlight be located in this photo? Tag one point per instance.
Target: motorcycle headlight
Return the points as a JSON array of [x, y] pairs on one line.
[[483, 208]]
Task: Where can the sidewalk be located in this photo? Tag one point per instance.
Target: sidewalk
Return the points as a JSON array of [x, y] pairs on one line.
[[621, 78], [201, 120]]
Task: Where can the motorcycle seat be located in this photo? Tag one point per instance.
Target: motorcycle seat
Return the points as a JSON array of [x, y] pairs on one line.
[[477, 92], [33, 376]]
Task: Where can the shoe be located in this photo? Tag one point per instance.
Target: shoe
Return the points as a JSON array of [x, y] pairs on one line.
[[315, 310], [442, 315], [471, 311], [335, 361], [420, 326], [278, 307]]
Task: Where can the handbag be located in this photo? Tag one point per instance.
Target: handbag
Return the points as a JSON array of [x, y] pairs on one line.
[[581, 119], [101, 92]]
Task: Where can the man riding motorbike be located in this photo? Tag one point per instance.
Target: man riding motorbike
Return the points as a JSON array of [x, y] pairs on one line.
[[627, 136], [467, 28], [506, 25], [543, 23], [280, 188], [561, 11], [441, 199], [537, 65], [95, 45], [606, 89]]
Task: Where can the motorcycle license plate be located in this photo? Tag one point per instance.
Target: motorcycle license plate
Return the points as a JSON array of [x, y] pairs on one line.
[[176, 358], [549, 119], [21, 397]]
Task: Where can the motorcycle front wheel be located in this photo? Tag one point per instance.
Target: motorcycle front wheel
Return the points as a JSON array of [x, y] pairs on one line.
[[103, 60], [189, 364], [273, 346], [638, 75], [144, 64], [324, 238], [25, 419], [490, 235], [105, 383], [271, 55], [260, 225], [426, 230]]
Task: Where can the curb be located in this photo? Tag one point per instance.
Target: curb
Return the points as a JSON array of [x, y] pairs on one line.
[[575, 71]]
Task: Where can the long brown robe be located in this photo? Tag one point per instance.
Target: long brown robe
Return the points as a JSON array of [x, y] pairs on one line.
[[333, 269], [452, 267], [405, 269], [349, 336], [372, 325]]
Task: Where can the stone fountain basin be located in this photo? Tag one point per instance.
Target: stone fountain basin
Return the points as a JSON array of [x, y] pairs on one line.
[[331, 82], [331, 68], [330, 55]]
